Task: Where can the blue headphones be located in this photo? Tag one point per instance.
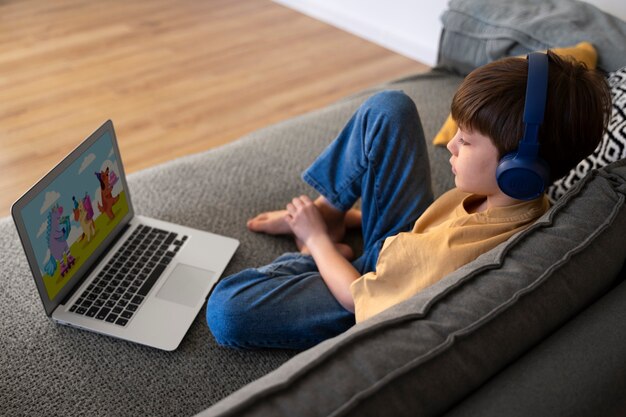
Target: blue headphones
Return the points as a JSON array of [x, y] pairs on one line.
[[522, 174]]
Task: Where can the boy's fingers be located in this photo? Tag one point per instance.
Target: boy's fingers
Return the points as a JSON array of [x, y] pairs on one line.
[[306, 200]]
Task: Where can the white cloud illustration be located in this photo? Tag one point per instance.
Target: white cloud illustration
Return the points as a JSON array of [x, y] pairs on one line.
[[86, 162], [42, 228], [51, 198]]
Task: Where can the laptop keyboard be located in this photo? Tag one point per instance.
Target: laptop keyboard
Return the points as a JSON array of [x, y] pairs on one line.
[[119, 289]]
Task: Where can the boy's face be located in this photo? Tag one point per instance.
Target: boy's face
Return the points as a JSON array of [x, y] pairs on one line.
[[474, 161]]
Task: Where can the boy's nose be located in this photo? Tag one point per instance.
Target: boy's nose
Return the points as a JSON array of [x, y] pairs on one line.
[[451, 146]]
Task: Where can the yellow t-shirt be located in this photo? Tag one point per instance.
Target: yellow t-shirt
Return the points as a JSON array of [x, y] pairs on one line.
[[443, 239]]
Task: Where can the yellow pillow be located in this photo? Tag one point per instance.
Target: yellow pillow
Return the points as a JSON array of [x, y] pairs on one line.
[[583, 52]]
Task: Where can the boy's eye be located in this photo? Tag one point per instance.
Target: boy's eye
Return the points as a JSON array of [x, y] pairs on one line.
[[462, 142]]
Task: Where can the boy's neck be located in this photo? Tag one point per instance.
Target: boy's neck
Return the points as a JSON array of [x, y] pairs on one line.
[[486, 202], [477, 206]]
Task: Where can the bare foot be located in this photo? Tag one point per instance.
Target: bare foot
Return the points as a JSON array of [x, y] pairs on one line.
[[353, 219], [274, 222], [345, 250], [270, 222], [335, 219]]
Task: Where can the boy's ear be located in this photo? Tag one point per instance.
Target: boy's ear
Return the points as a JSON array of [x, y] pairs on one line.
[[581, 52]]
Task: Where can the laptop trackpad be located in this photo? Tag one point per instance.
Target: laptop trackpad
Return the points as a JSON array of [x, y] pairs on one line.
[[186, 285]]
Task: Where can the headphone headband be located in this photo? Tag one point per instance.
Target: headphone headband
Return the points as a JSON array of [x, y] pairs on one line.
[[535, 103], [536, 88]]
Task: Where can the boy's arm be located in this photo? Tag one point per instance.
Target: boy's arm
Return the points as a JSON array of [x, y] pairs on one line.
[[307, 224], [336, 271]]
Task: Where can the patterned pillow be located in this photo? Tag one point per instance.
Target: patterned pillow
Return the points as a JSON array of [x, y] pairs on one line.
[[613, 145]]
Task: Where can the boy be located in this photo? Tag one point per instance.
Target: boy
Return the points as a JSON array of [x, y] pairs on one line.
[[410, 242]]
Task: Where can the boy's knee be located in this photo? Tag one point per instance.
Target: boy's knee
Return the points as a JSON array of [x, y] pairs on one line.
[[391, 119], [224, 318], [394, 104]]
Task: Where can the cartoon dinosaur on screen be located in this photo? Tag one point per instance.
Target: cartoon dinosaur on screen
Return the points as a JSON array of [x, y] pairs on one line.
[[57, 232], [83, 213], [107, 181]]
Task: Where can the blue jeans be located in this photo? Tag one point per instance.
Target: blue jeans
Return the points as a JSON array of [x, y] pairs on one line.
[[380, 156]]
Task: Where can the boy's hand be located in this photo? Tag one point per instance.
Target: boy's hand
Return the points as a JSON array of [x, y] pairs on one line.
[[309, 226], [305, 219]]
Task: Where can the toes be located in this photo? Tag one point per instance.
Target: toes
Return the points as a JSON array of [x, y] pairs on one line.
[[269, 222], [252, 224], [353, 219]]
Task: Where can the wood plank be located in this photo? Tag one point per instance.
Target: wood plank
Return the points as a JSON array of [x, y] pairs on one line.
[[175, 77]]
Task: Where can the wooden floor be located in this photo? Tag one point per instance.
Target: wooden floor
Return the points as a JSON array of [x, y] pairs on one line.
[[176, 77]]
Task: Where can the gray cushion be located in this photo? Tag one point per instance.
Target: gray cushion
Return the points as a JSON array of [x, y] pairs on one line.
[[480, 31], [429, 352]]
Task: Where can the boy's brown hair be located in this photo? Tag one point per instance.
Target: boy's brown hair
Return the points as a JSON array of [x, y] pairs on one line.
[[491, 101]]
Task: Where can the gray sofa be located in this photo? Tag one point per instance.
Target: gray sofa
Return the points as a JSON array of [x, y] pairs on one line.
[[575, 363], [533, 327]]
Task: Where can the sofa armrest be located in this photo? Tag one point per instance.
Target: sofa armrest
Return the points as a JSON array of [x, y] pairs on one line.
[[578, 371]]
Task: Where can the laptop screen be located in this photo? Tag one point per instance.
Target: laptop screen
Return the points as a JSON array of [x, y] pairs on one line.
[[75, 213]]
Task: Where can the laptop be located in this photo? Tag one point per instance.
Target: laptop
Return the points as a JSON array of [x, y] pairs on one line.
[[98, 266]]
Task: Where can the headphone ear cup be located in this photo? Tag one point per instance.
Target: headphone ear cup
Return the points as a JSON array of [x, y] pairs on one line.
[[521, 178], [522, 175]]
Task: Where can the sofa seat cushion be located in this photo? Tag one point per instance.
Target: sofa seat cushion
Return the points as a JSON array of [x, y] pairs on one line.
[[48, 369], [429, 352]]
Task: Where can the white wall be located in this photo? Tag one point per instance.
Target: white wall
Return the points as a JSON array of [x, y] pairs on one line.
[[408, 27]]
